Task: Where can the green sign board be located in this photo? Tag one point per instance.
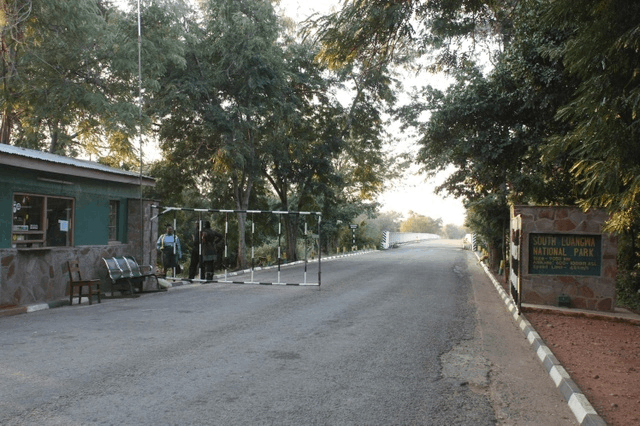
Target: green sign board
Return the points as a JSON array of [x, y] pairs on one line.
[[565, 254]]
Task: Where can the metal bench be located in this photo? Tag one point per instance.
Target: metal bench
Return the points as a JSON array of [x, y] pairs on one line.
[[125, 273]]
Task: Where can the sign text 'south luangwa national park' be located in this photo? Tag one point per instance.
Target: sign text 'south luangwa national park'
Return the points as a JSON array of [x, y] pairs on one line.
[[564, 254]]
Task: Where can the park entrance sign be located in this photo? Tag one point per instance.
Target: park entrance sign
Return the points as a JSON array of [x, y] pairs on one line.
[[560, 256], [565, 254]]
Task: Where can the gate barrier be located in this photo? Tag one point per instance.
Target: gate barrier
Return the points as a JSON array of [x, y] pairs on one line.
[[226, 248]]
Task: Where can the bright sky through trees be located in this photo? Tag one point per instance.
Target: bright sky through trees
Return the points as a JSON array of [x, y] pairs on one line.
[[413, 193]]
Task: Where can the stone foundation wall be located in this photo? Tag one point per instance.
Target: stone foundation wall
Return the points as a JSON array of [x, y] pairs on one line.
[[585, 292]]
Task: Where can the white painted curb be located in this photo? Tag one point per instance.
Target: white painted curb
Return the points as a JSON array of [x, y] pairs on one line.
[[37, 307], [578, 403]]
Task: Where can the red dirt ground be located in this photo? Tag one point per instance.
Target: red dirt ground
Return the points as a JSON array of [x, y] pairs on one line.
[[601, 355]]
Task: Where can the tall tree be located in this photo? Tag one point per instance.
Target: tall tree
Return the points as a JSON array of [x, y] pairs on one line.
[[252, 104], [214, 110], [70, 74], [321, 146], [14, 16], [302, 138]]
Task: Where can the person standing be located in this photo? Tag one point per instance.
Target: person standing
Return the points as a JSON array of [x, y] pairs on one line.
[[210, 241], [195, 254], [169, 245]]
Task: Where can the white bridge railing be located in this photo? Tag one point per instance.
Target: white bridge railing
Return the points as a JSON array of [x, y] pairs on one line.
[[390, 238]]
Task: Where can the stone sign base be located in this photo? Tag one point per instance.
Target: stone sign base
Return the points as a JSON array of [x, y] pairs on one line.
[[564, 258]]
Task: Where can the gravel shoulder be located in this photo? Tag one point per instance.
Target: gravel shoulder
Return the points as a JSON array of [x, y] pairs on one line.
[[601, 354]]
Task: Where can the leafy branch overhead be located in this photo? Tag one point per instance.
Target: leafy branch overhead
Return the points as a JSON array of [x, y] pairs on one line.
[[552, 120]]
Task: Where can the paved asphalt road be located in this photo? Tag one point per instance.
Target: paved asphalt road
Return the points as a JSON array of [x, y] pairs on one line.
[[411, 336]]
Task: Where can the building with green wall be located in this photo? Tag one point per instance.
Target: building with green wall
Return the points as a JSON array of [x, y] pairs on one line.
[[56, 208]]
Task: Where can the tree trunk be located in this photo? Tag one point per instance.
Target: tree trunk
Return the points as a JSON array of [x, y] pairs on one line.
[[291, 233], [242, 243], [5, 130], [242, 195], [54, 147], [494, 257]]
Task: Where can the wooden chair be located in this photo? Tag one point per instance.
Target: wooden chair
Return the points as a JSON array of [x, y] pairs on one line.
[[75, 280]]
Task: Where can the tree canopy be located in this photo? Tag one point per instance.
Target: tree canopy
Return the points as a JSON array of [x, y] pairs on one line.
[[69, 74], [376, 32], [252, 107], [553, 120], [421, 224]]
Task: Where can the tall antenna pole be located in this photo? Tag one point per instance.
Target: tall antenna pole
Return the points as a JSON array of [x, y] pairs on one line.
[[140, 133]]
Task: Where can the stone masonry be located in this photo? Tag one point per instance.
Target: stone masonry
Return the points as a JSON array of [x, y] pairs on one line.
[[585, 292]]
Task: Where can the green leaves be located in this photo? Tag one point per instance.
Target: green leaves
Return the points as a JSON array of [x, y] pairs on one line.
[[602, 54], [376, 32], [421, 224], [71, 74]]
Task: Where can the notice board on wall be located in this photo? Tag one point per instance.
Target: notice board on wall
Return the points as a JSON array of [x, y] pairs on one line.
[[565, 254]]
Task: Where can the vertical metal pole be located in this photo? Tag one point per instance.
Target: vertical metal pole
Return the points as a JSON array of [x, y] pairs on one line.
[[175, 237], [253, 230], [140, 134], [520, 240], [226, 248], [319, 252], [279, 233], [305, 251], [199, 242]]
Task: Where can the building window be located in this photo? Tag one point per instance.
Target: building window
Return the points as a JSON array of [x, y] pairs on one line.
[[114, 208], [41, 221]]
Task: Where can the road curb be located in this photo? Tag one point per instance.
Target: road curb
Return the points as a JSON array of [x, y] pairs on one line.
[[577, 401], [15, 310]]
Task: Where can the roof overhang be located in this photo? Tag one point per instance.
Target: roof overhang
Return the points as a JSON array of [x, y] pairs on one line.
[[44, 162]]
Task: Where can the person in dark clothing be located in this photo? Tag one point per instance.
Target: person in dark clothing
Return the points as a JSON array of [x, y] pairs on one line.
[[195, 254], [210, 241]]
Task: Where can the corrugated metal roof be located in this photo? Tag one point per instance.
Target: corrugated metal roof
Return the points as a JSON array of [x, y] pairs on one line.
[[64, 161]]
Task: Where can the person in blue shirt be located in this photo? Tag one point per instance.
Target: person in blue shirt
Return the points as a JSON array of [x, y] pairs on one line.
[[169, 245]]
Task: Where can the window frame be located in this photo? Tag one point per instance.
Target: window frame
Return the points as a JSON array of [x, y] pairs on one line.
[[114, 221], [22, 238]]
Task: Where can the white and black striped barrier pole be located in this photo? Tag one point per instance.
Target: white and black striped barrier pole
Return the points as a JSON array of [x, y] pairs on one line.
[[226, 246]]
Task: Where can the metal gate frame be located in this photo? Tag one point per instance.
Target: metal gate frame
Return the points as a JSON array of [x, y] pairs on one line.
[[252, 212]]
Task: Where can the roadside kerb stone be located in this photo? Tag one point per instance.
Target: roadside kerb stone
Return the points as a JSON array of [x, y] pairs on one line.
[[578, 402], [37, 307], [13, 311]]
